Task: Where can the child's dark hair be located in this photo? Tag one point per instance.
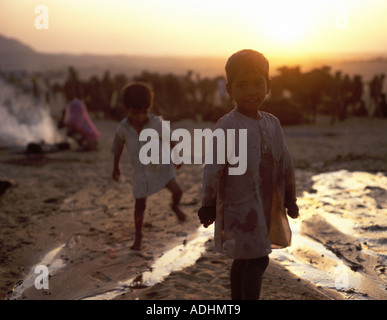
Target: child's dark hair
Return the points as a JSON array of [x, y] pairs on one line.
[[247, 58], [137, 95]]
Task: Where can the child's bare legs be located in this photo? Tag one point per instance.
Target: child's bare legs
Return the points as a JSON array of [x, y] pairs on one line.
[[139, 209], [177, 193], [246, 278]]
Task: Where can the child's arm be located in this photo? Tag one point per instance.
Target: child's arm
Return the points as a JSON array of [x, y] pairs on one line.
[[211, 177], [117, 149], [290, 187], [116, 162]]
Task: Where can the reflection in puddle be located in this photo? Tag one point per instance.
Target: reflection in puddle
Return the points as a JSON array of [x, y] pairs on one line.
[[175, 259], [320, 273], [354, 203], [50, 260], [341, 198]]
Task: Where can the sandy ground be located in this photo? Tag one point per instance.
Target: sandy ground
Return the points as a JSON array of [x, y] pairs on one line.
[[68, 201]]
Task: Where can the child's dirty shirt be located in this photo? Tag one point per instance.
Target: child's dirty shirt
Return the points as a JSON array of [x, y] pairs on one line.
[[251, 217], [147, 178]]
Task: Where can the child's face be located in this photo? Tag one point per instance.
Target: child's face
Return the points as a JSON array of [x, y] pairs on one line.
[[248, 89], [138, 116]]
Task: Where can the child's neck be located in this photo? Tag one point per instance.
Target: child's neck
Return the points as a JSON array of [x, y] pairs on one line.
[[254, 115], [138, 125]]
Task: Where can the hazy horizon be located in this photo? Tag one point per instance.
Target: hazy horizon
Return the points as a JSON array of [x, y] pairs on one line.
[[344, 56], [172, 28]]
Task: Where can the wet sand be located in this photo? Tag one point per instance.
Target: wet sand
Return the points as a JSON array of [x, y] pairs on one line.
[[66, 201]]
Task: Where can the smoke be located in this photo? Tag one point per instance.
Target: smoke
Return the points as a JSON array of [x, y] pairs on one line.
[[24, 118]]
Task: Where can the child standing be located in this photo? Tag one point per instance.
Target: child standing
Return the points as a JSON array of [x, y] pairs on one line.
[[249, 210], [147, 179]]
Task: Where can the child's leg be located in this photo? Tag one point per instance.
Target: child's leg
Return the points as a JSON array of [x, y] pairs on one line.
[[253, 281], [246, 278], [177, 193], [139, 209], [237, 269]]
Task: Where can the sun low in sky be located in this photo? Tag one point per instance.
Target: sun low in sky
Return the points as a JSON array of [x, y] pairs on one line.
[[198, 27]]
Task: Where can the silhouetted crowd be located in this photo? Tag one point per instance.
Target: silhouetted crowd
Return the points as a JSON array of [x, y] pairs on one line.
[[296, 97], [320, 92]]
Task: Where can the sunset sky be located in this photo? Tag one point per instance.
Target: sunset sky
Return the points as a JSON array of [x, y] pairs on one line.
[[199, 27]]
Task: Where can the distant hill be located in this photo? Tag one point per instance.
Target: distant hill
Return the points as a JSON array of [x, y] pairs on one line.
[[14, 55], [13, 46]]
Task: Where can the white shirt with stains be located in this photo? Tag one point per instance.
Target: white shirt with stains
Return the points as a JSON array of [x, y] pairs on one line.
[[149, 178], [250, 214]]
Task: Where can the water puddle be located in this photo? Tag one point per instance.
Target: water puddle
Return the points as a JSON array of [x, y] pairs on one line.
[[312, 261], [354, 203], [175, 259], [50, 260]]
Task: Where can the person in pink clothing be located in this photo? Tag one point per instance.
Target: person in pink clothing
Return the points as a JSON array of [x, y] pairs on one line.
[[250, 209], [79, 125]]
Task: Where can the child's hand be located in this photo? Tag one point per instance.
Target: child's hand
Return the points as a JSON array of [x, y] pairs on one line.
[[116, 174], [291, 205], [177, 166], [293, 211], [207, 215]]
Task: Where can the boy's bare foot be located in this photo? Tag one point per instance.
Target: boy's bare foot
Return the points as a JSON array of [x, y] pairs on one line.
[[180, 214], [137, 244]]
